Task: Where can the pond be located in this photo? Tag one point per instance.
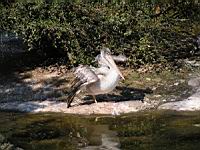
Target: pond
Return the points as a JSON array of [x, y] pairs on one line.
[[159, 130]]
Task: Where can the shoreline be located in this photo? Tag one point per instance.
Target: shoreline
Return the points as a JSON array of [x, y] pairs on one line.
[[40, 90]]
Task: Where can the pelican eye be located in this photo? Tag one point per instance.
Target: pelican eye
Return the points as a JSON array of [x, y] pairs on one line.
[[108, 52]]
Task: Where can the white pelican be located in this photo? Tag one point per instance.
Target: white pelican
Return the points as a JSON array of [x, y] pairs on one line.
[[99, 80]]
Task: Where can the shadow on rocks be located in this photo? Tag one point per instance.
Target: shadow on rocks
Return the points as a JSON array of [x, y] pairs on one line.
[[125, 94]]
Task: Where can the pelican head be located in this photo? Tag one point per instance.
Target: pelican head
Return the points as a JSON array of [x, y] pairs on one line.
[[108, 60]]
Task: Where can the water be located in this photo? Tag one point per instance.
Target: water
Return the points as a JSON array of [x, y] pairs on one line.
[[138, 131]]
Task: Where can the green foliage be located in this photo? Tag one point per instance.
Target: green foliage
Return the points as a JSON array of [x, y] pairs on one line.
[[146, 31]]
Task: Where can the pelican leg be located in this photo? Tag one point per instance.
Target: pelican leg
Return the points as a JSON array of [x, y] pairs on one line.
[[70, 101], [94, 98]]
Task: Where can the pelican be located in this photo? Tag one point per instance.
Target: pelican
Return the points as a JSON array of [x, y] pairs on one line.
[[100, 80]]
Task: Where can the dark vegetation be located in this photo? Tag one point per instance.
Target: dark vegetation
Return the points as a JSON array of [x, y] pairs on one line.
[[147, 32]]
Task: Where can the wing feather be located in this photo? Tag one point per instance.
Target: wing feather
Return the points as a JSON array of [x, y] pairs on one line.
[[84, 75]]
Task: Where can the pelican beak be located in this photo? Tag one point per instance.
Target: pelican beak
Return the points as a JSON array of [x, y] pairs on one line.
[[111, 62]]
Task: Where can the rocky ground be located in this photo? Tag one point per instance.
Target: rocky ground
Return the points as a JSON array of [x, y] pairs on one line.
[[45, 90], [191, 103]]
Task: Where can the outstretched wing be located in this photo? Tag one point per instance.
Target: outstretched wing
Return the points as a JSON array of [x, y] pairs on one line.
[[84, 75]]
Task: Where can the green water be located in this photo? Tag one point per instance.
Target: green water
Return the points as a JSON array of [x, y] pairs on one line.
[[138, 131]]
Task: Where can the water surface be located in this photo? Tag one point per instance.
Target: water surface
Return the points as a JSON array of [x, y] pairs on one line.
[[138, 131]]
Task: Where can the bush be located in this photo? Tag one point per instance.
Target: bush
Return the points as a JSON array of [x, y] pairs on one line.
[[146, 32]]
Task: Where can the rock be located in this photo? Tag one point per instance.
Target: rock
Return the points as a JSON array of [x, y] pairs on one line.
[[185, 105], [176, 83], [192, 103], [111, 108], [192, 63], [195, 82]]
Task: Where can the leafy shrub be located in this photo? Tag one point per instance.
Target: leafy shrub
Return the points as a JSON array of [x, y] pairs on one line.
[[145, 31]]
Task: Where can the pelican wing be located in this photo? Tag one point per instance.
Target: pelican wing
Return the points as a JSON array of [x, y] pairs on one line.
[[119, 58], [85, 75]]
